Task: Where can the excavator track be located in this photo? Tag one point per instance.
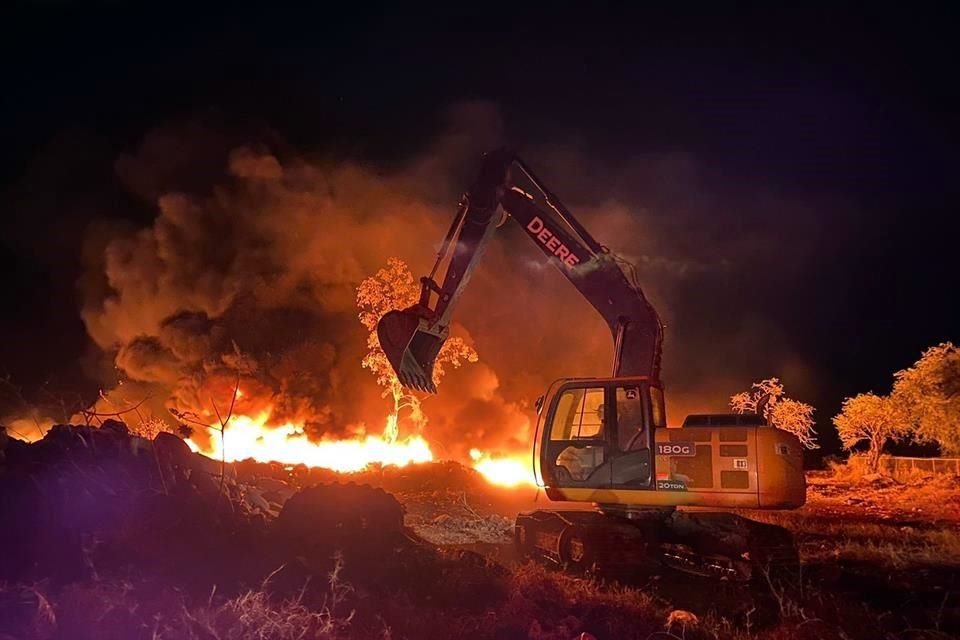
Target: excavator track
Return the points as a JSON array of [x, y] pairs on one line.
[[709, 545], [586, 542]]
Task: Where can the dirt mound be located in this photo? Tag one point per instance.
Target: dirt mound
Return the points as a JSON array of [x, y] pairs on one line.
[[87, 502], [84, 500], [358, 523], [358, 531]]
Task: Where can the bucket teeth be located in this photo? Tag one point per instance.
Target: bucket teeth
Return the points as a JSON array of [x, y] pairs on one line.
[[416, 381]]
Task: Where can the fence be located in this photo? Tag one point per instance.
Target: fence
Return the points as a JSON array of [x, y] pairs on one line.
[[901, 465]]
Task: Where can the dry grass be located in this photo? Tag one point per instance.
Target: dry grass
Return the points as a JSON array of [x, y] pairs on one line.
[[854, 475], [899, 523], [116, 609], [447, 529], [548, 605], [887, 545], [537, 604], [458, 523], [25, 611], [256, 615], [944, 550]]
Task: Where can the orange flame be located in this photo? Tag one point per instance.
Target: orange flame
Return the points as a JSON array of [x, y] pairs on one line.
[[251, 437], [506, 471], [255, 437]]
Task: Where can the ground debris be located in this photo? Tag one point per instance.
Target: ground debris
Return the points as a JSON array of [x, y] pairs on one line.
[[459, 529]]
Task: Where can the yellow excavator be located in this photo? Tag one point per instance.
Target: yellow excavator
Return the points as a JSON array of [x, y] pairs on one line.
[[663, 496]]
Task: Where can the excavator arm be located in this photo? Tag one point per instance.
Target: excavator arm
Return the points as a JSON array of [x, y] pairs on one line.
[[412, 338]]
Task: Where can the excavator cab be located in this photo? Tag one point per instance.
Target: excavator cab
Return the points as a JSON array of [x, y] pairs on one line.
[[599, 433]]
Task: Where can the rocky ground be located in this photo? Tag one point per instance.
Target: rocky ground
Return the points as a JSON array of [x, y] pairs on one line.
[[110, 536]]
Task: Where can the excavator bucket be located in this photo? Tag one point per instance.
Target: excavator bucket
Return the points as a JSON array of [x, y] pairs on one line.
[[411, 347]]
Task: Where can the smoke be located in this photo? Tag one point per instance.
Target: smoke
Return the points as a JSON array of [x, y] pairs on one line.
[[249, 275]]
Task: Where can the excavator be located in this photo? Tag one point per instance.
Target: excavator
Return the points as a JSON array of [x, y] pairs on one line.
[[656, 496]]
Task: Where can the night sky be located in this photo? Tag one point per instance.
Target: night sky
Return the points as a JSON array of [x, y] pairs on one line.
[[855, 109]]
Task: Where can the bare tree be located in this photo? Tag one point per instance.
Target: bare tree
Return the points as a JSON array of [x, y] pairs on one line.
[[241, 365], [42, 408], [94, 415], [223, 428], [768, 399]]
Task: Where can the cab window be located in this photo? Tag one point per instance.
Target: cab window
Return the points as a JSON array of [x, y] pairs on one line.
[[630, 419], [579, 415], [659, 418]]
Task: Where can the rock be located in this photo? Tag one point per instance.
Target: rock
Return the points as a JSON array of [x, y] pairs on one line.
[[114, 426], [681, 618], [172, 447]]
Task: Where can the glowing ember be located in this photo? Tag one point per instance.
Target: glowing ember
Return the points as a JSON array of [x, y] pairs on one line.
[[504, 471], [250, 437]]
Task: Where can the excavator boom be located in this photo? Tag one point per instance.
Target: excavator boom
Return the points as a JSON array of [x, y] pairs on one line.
[[412, 338]]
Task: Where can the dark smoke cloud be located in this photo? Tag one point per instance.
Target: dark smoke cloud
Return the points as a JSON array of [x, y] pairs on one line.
[[254, 269]]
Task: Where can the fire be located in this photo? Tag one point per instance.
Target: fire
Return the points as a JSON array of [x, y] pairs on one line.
[[504, 471], [253, 437], [28, 429], [256, 437]]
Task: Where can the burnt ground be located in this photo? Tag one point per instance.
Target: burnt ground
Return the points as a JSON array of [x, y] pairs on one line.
[[108, 536]]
